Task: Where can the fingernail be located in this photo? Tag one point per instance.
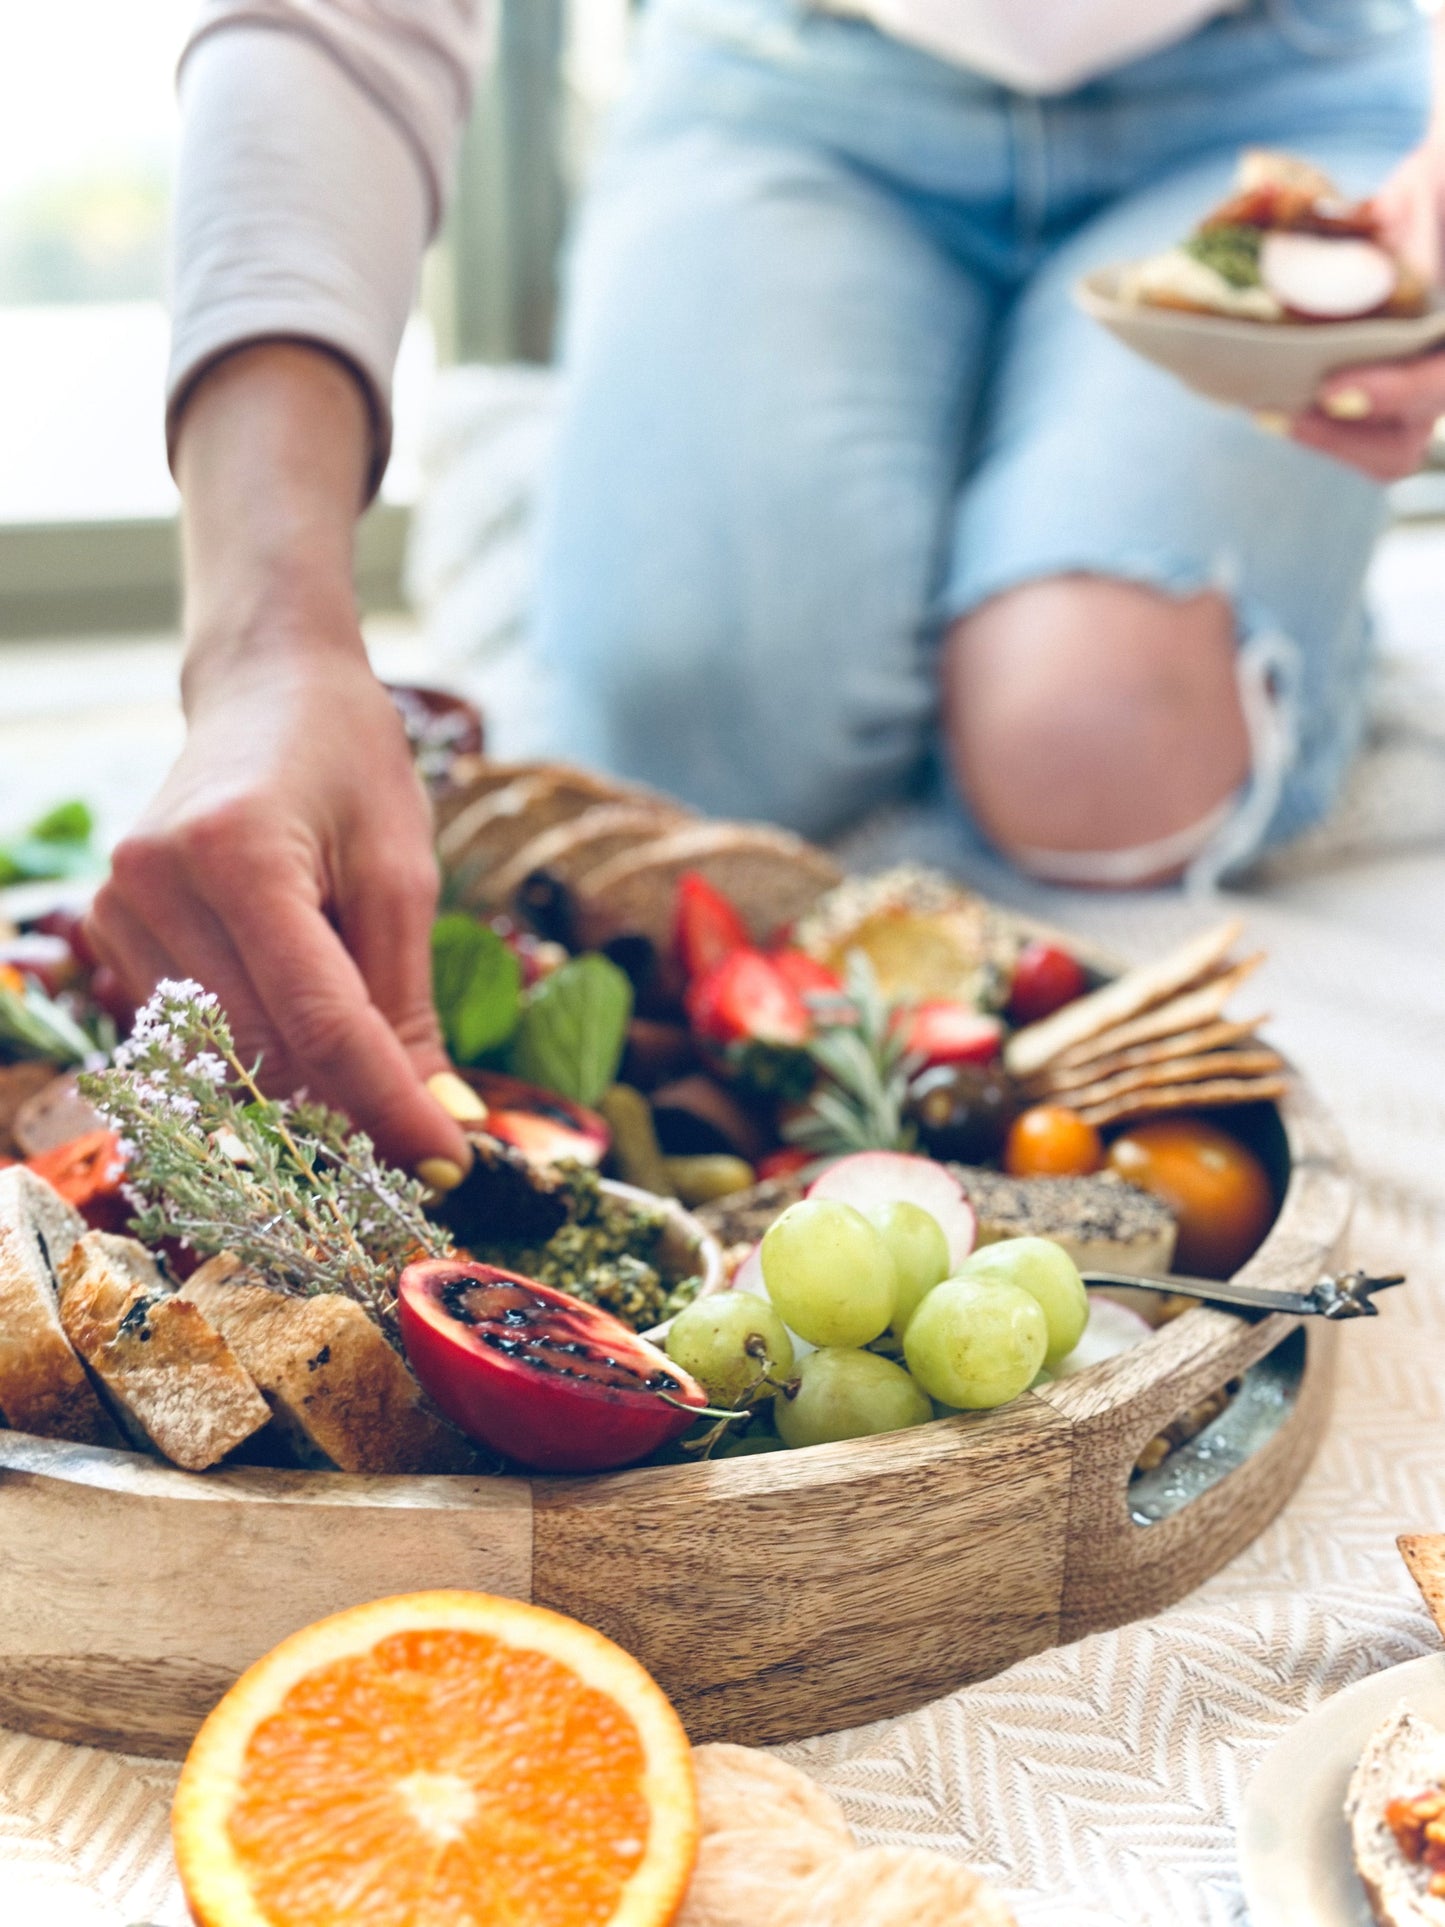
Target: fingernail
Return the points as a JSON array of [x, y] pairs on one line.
[[457, 1098], [1347, 404], [1272, 421], [440, 1174]]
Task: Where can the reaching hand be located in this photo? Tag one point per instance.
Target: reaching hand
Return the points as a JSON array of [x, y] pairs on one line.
[[286, 864], [1380, 418]]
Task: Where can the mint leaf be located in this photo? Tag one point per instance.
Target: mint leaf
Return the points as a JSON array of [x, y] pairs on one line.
[[573, 1029], [56, 846], [67, 823], [476, 985]]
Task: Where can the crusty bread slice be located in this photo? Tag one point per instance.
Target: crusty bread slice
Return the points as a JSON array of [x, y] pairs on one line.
[[339, 1393], [1403, 1756], [168, 1375], [43, 1385], [483, 839], [570, 849], [772, 877]]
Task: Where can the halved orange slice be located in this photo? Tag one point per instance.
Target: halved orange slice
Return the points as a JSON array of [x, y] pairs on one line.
[[443, 1759]]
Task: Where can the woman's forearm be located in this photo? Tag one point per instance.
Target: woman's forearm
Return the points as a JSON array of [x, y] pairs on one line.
[[272, 454]]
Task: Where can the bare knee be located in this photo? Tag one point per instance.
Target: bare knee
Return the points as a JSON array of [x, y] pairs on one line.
[[1085, 714]]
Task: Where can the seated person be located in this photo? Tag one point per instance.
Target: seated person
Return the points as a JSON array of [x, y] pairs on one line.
[[841, 470]]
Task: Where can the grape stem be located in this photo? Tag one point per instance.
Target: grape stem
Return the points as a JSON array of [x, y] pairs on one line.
[[756, 1347]]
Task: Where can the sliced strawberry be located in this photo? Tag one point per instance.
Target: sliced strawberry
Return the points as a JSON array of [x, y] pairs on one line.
[[807, 976], [706, 927], [786, 1163], [746, 999], [87, 1172], [947, 1033]]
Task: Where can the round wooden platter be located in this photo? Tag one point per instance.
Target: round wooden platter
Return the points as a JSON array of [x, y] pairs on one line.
[[773, 1597]]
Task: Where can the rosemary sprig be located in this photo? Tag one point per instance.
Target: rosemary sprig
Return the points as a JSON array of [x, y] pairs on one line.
[[288, 1187], [857, 1104]]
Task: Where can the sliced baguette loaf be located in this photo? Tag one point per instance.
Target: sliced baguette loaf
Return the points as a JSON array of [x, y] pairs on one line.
[[339, 1393], [1404, 1756], [170, 1378], [43, 1385], [772, 877]]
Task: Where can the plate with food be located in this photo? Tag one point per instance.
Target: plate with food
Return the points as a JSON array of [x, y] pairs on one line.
[[1344, 1823], [1283, 283], [816, 1224]]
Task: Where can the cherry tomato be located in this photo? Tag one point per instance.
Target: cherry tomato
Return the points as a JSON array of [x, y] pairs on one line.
[[807, 976], [943, 1032], [1218, 1190], [707, 927], [1045, 979], [1051, 1141]]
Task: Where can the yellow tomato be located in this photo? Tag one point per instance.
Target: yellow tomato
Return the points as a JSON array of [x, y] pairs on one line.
[[1218, 1190]]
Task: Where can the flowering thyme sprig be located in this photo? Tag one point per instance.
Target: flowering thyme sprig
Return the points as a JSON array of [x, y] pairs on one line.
[[288, 1187]]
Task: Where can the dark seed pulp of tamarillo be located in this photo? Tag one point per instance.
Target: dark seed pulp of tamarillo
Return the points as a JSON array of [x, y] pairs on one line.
[[511, 1320]]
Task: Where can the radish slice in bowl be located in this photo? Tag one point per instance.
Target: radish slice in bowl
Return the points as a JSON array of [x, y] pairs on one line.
[[1327, 280], [869, 1179]]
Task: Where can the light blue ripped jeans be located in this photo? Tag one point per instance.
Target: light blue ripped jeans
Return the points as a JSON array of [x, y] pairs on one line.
[[826, 391]]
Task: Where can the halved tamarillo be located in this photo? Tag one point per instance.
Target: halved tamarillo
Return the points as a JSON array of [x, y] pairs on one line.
[[539, 1377]]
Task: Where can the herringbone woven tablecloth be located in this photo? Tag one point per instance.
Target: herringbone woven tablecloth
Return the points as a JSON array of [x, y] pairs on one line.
[[1098, 1784]]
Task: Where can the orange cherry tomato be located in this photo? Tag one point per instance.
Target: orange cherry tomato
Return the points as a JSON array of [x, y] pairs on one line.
[[1218, 1189], [1051, 1141]]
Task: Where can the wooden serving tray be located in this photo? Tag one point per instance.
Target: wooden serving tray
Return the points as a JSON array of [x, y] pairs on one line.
[[773, 1597]]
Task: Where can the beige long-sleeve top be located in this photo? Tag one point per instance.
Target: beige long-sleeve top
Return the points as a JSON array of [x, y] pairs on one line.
[[319, 137]]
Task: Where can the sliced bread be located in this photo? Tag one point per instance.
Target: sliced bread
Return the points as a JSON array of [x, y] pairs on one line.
[[43, 1385], [479, 779], [339, 1393], [568, 850], [1403, 1757], [772, 877], [170, 1378]]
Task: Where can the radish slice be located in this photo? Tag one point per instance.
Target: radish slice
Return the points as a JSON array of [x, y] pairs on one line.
[[1327, 280], [1112, 1328], [872, 1178], [749, 1274]]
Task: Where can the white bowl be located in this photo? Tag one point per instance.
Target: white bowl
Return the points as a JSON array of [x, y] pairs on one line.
[[1275, 365]]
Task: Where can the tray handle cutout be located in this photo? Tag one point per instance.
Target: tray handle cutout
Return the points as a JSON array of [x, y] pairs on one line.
[[1266, 1395]]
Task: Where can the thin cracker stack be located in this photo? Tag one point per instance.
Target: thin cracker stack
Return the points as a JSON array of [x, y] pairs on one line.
[[1153, 1040]]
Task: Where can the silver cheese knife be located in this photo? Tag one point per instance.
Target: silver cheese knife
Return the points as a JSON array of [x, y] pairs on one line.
[[1345, 1294]]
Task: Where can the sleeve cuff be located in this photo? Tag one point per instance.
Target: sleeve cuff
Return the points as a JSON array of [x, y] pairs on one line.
[[301, 214]]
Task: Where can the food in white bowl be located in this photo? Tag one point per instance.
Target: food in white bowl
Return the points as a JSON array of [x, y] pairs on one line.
[[1285, 246]]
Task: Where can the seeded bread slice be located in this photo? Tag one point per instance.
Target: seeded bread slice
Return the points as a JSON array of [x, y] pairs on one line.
[[340, 1395], [1403, 1756], [169, 1376], [772, 877], [43, 1385]]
